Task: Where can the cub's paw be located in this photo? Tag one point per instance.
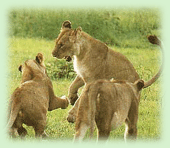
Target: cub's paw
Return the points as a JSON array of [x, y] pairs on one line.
[[65, 103]]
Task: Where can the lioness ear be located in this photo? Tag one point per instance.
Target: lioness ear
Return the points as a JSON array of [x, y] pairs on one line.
[[20, 68], [139, 84], [75, 34], [39, 58], [78, 31], [66, 24]]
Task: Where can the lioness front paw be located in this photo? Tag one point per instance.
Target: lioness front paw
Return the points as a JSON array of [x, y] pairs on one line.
[[71, 118], [73, 98]]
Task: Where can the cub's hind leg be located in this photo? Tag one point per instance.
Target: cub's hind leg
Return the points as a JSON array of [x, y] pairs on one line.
[[22, 131], [131, 122], [39, 129], [103, 134], [104, 128], [80, 132]]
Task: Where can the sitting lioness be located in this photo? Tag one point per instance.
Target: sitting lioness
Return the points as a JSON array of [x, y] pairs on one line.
[[32, 99], [93, 59], [108, 104]]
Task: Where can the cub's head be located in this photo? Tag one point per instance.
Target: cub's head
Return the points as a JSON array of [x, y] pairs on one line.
[[67, 43], [33, 68]]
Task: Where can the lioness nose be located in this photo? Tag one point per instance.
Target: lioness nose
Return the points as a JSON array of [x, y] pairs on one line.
[[54, 53]]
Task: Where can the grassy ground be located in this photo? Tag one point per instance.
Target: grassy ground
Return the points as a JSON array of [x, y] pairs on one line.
[[146, 62]]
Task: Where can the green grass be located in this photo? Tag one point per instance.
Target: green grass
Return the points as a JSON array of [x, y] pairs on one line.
[[114, 26], [146, 61]]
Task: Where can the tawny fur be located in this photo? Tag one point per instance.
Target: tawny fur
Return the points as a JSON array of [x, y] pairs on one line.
[[108, 104], [93, 59], [32, 99]]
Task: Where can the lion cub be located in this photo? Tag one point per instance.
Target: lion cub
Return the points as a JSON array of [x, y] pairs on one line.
[[32, 99], [108, 104]]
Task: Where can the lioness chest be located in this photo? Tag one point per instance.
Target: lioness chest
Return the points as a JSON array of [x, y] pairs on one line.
[[81, 68], [89, 70]]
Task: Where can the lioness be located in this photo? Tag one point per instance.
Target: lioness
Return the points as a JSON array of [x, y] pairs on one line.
[[32, 99], [93, 59], [108, 104]]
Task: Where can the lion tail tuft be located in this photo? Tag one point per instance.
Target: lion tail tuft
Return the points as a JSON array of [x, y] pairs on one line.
[[155, 40]]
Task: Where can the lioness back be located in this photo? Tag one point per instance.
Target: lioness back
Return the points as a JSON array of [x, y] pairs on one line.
[[119, 67]]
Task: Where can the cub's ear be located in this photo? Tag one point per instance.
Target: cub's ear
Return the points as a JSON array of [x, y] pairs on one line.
[[39, 58], [20, 68], [140, 84], [66, 24]]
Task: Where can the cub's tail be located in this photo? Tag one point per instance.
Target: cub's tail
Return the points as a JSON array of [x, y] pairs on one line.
[[15, 107], [154, 40], [92, 96]]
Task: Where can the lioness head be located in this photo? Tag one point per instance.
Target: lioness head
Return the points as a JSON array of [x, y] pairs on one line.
[[33, 68], [67, 43]]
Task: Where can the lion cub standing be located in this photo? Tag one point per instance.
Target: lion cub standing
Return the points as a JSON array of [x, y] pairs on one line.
[[108, 104], [32, 99]]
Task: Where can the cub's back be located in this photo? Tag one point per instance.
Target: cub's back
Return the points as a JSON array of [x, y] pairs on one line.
[[32, 96], [114, 96]]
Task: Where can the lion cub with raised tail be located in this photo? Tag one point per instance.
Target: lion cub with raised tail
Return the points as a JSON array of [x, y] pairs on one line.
[[32, 99], [108, 104]]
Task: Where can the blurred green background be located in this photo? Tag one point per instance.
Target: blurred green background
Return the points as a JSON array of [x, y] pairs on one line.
[[119, 27]]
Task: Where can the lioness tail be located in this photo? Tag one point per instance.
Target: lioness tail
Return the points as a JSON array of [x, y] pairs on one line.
[[154, 40]]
